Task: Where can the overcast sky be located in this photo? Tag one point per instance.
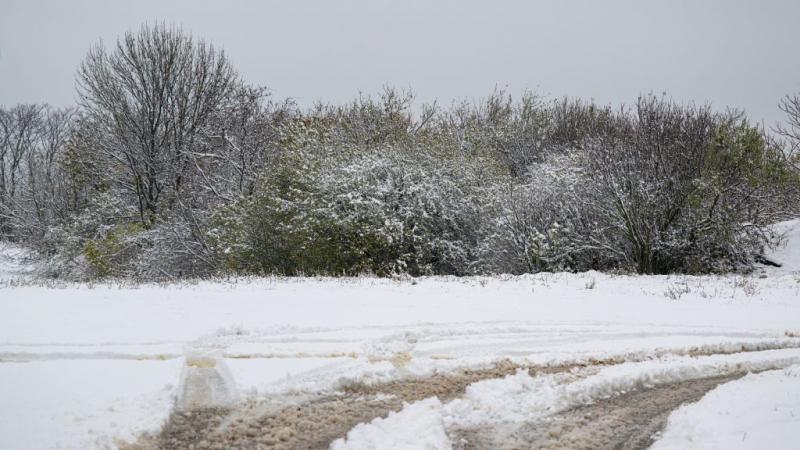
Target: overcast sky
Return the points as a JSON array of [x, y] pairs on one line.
[[731, 53]]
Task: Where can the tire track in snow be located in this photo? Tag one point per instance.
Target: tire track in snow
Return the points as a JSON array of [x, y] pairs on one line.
[[441, 341], [625, 422], [315, 423], [493, 410], [206, 413]]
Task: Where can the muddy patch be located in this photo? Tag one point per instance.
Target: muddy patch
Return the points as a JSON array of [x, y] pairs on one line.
[[316, 422]]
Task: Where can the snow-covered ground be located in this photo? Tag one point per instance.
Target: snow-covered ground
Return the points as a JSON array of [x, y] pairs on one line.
[[85, 366], [77, 403], [417, 426], [760, 411]]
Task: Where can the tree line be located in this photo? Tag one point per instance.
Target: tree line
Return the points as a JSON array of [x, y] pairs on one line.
[[171, 165]]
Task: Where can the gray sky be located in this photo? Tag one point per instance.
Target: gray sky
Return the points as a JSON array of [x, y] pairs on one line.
[[731, 53]]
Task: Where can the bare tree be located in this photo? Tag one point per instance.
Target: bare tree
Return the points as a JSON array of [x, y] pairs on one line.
[[19, 128], [31, 177], [152, 95], [46, 193], [243, 140], [790, 131]]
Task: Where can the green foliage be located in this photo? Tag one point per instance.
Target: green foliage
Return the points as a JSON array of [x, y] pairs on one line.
[[107, 255], [368, 212], [492, 187], [272, 230]]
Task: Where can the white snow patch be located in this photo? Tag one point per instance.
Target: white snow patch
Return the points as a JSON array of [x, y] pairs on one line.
[[254, 375], [417, 426], [757, 412]]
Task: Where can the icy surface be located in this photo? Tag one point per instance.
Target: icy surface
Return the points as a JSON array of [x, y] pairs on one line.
[[760, 411]]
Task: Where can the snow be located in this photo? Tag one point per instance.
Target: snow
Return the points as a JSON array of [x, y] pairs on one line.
[[277, 313], [75, 358], [759, 411], [522, 397], [14, 263], [74, 404], [251, 373], [417, 426]]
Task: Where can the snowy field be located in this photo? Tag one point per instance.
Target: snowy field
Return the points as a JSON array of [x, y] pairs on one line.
[[94, 366]]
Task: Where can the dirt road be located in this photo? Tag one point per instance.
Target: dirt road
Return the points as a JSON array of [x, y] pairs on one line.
[[624, 422], [312, 424]]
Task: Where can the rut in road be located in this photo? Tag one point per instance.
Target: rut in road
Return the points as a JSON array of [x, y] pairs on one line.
[[624, 422], [313, 422], [316, 423]]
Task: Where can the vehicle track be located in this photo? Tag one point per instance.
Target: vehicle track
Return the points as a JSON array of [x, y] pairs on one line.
[[314, 421], [624, 422]]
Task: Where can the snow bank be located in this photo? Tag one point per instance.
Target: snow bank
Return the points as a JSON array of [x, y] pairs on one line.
[[760, 411], [304, 373], [417, 426]]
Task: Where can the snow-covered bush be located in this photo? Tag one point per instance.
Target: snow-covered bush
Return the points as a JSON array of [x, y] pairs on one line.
[[542, 222], [171, 249], [272, 230], [253, 185], [681, 189], [96, 241], [384, 212], [668, 188], [405, 211]]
